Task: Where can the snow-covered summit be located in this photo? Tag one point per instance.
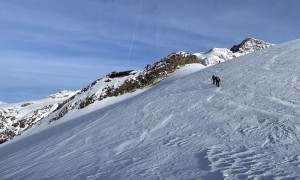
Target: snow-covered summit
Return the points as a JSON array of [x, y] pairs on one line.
[[218, 55], [215, 56], [249, 45]]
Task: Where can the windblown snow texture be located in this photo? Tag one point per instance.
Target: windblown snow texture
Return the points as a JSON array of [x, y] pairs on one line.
[[182, 128]]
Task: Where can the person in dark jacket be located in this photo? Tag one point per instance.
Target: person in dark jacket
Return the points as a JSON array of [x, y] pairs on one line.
[[214, 79], [218, 81]]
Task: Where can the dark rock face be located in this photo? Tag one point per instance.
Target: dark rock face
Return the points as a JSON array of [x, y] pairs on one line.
[[119, 74], [250, 45], [149, 76]]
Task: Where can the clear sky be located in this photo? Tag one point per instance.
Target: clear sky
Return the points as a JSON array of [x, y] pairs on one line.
[[52, 45]]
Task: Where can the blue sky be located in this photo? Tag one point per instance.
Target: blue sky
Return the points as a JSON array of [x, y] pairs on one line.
[[48, 46]]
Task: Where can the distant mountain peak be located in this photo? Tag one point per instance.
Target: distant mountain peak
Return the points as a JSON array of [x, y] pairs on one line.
[[218, 55], [249, 45], [18, 117]]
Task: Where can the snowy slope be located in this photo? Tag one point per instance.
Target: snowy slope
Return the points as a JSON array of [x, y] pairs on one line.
[[218, 55], [182, 128]]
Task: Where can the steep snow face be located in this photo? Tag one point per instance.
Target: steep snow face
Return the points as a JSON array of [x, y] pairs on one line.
[[18, 117], [182, 128], [218, 55]]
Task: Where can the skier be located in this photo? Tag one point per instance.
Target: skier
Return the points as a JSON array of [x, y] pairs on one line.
[[214, 79], [218, 81]]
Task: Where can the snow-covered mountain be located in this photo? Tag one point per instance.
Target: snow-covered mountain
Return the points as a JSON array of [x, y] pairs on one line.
[[182, 128], [249, 45], [18, 117], [218, 55]]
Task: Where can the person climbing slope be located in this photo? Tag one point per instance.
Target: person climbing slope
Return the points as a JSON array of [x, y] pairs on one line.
[[214, 79], [218, 81]]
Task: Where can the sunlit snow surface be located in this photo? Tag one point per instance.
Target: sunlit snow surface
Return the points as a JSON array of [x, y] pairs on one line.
[[182, 128]]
